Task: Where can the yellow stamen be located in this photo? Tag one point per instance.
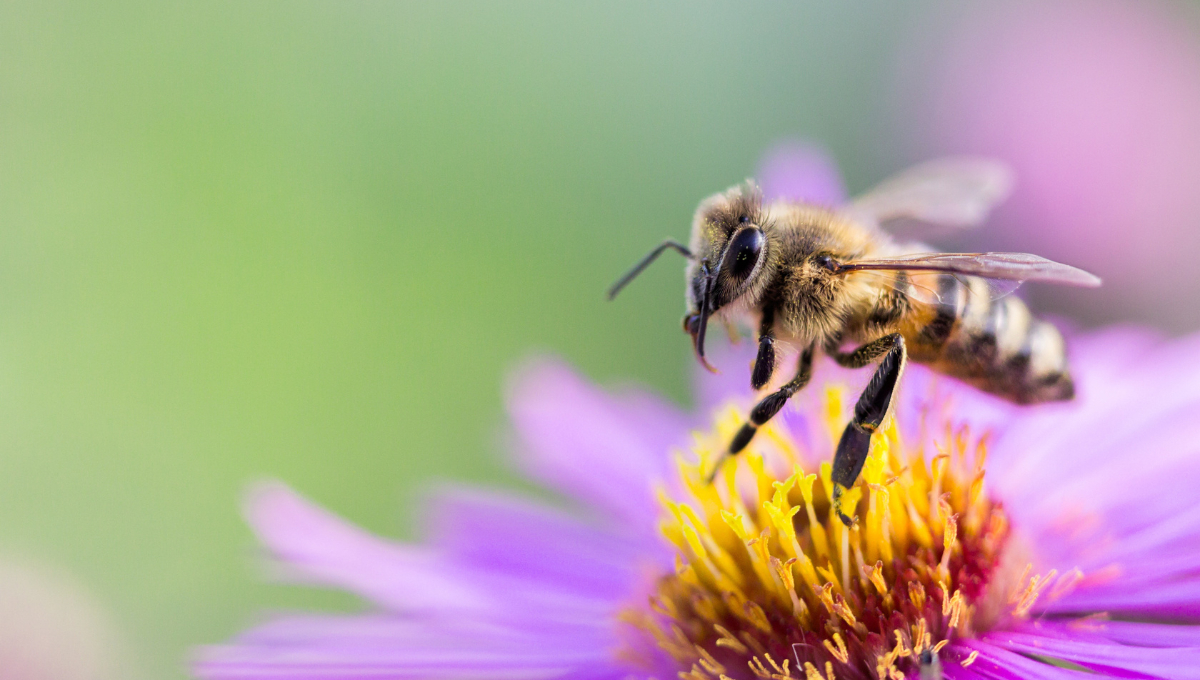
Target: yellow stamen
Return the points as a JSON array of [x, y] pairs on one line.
[[1029, 596], [840, 653], [764, 560], [728, 640]]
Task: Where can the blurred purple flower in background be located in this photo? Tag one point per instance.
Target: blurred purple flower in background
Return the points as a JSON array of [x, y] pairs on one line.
[[800, 170], [1096, 104], [53, 628]]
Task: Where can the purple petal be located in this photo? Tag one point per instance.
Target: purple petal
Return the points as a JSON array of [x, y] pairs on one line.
[[1110, 350], [1175, 663], [983, 668], [801, 171], [606, 450], [313, 647], [1136, 634], [1162, 535], [1177, 563], [324, 548], [521, 538], [320, 547], [1151, 634], [1163, 600], [954, 671], [996, 662]]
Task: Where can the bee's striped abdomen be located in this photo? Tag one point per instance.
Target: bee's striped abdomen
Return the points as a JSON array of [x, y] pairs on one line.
[[996, 345]]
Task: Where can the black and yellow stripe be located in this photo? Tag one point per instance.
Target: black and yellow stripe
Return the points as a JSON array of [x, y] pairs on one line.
[[993, 344]]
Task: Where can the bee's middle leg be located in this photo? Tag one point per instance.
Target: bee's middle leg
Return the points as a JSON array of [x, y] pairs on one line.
[[870, 411], [766, 409]]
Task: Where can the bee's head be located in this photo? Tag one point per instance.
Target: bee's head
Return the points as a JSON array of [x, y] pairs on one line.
[[730, 246]]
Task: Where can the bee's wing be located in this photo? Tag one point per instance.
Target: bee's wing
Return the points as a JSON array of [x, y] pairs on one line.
[[1003, 272], [926, 286], [952, 192]]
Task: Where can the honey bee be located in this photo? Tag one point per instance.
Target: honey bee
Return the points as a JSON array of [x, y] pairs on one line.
[[831, 280]]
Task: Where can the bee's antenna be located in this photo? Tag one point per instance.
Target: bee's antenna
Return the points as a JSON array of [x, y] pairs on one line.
[[650, 257]]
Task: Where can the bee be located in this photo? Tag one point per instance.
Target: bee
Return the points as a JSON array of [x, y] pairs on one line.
[[833, 281]]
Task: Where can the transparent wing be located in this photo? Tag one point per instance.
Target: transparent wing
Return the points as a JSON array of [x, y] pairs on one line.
[[924, 286], [952, 192], [999, 267]]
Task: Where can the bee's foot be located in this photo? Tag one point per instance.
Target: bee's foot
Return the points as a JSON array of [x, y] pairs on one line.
[[846, 519], [712, 476], [838, 492]]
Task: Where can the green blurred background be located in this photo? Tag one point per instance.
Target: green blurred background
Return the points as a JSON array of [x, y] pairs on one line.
[[306, 241]]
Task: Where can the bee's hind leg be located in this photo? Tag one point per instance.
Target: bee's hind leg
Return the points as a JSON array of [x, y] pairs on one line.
[[766, 409], [869, 413]]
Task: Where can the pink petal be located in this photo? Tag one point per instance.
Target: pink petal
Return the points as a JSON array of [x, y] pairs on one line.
[[605, 450], [1176, 663], [313, 647], [327, 549], [320, 547], [996, 662], [516, 536], [1171, 600], [1151, 634]]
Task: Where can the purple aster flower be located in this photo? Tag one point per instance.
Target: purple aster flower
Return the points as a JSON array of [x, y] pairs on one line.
[[1076, 549], [993, 541]]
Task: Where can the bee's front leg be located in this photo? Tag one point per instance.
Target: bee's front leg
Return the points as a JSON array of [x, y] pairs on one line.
[[764, 363], [869, 413], [766, 409]]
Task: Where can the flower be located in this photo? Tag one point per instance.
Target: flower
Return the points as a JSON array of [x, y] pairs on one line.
[[993, 541], [1076, 549]]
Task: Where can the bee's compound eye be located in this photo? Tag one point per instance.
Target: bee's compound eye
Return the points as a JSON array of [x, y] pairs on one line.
[[826, 262], [744, 251]]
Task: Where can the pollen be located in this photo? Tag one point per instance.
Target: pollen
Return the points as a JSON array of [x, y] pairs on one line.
[[768, 583]]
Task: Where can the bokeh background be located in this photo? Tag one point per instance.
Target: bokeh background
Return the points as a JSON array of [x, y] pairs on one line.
[[306, 240]]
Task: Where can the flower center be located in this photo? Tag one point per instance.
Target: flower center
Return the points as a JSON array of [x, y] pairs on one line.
[[770, 584]]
